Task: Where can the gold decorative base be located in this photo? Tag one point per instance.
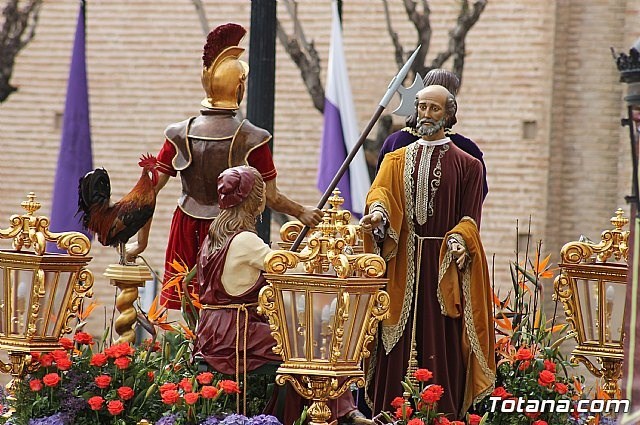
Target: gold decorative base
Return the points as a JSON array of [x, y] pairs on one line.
[[128, 278]]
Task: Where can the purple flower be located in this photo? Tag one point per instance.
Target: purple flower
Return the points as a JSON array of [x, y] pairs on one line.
[[167, 420], [235, 420], [56, 419], [264, 420], [211, 420]]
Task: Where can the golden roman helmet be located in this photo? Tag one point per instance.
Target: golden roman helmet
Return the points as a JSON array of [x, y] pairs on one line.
[[223, 74]]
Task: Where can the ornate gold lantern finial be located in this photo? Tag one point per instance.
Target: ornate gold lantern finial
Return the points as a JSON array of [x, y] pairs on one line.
[[324, 319], [592, 292], [41, 293], [31, 205]]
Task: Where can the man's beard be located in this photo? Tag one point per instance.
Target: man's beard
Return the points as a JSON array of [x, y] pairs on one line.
[[429, 130]]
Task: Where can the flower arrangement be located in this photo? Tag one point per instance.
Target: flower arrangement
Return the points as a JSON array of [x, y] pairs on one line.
[[89, 382], [419, 405], [533, 384]]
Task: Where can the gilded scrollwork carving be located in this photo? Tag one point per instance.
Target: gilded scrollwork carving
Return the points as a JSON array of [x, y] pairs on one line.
[[342, 314], [613, 243], [29, 231], [290, 231], [83, 288], [267, 306]]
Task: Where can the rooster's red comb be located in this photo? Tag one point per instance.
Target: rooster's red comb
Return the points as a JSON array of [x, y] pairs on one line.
[[147, 160], [220, 38]]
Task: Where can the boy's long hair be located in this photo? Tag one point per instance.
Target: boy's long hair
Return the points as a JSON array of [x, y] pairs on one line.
[[241, 217]]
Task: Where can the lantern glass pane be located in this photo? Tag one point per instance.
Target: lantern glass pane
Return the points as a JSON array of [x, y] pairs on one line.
[[20, 282], [324, 322], [294, 310], [587, 298], [358, 305], [58, 308], [46, 302], [3, 303], [614, 311]]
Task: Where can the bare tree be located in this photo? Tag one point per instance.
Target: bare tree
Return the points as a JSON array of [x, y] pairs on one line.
[[18, 29], [305, 55], [456, 48]]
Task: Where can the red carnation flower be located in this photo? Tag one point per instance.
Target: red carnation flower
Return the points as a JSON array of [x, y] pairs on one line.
[[561, 388], [96, 402], [170, 397], [532, 415], [59, 354], [423, 375], [415, 421], [540, 422], [474, 419], [122, 362], [432, 394], [186, 385], [209, 392], [546, 378], [524, 365], [98, 360], [550, 366], [83, 338], [524, 354], [35, 385], [501, 392], [229, 386], [51, 379], [205, 378], [119, 350], [408, 411], [441, 420], [103, 381], [168, 386], [46, 360], [397, 402], [66, 343], [191, 398], [125, 393], [115, 407], [63, 364]]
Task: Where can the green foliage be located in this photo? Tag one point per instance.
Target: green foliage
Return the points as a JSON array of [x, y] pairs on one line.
[[530, 365], [91, 383]]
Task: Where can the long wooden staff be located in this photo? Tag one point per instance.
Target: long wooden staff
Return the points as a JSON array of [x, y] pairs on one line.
[[407, 95]]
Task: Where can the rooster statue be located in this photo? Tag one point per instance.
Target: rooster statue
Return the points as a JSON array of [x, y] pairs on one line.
[[115, 223]]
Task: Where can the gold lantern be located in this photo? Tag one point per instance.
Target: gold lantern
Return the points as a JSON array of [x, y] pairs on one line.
[[323, 318], [592, 289], [40, 292]]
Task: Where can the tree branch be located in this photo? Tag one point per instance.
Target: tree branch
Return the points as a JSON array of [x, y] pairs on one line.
[[18, 29], [399, 50], [456, 48], [423, 27], [204, 22], [305, 56]]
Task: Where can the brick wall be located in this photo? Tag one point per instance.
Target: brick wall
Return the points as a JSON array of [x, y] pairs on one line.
[[540, 96]]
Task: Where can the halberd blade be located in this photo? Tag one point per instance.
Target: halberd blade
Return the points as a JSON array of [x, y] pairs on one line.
[[408, 97]]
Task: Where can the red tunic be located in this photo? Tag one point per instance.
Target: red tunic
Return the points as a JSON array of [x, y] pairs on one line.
[[216, 335], [187, 233]]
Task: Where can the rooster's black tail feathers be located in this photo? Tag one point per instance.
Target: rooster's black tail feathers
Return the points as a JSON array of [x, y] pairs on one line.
[[94, 188]]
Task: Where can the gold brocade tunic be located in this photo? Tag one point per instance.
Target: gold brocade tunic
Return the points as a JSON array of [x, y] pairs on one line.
[[424, 190]]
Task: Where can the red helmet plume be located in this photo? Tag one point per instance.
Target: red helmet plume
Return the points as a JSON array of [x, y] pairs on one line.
[[220, 38]]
